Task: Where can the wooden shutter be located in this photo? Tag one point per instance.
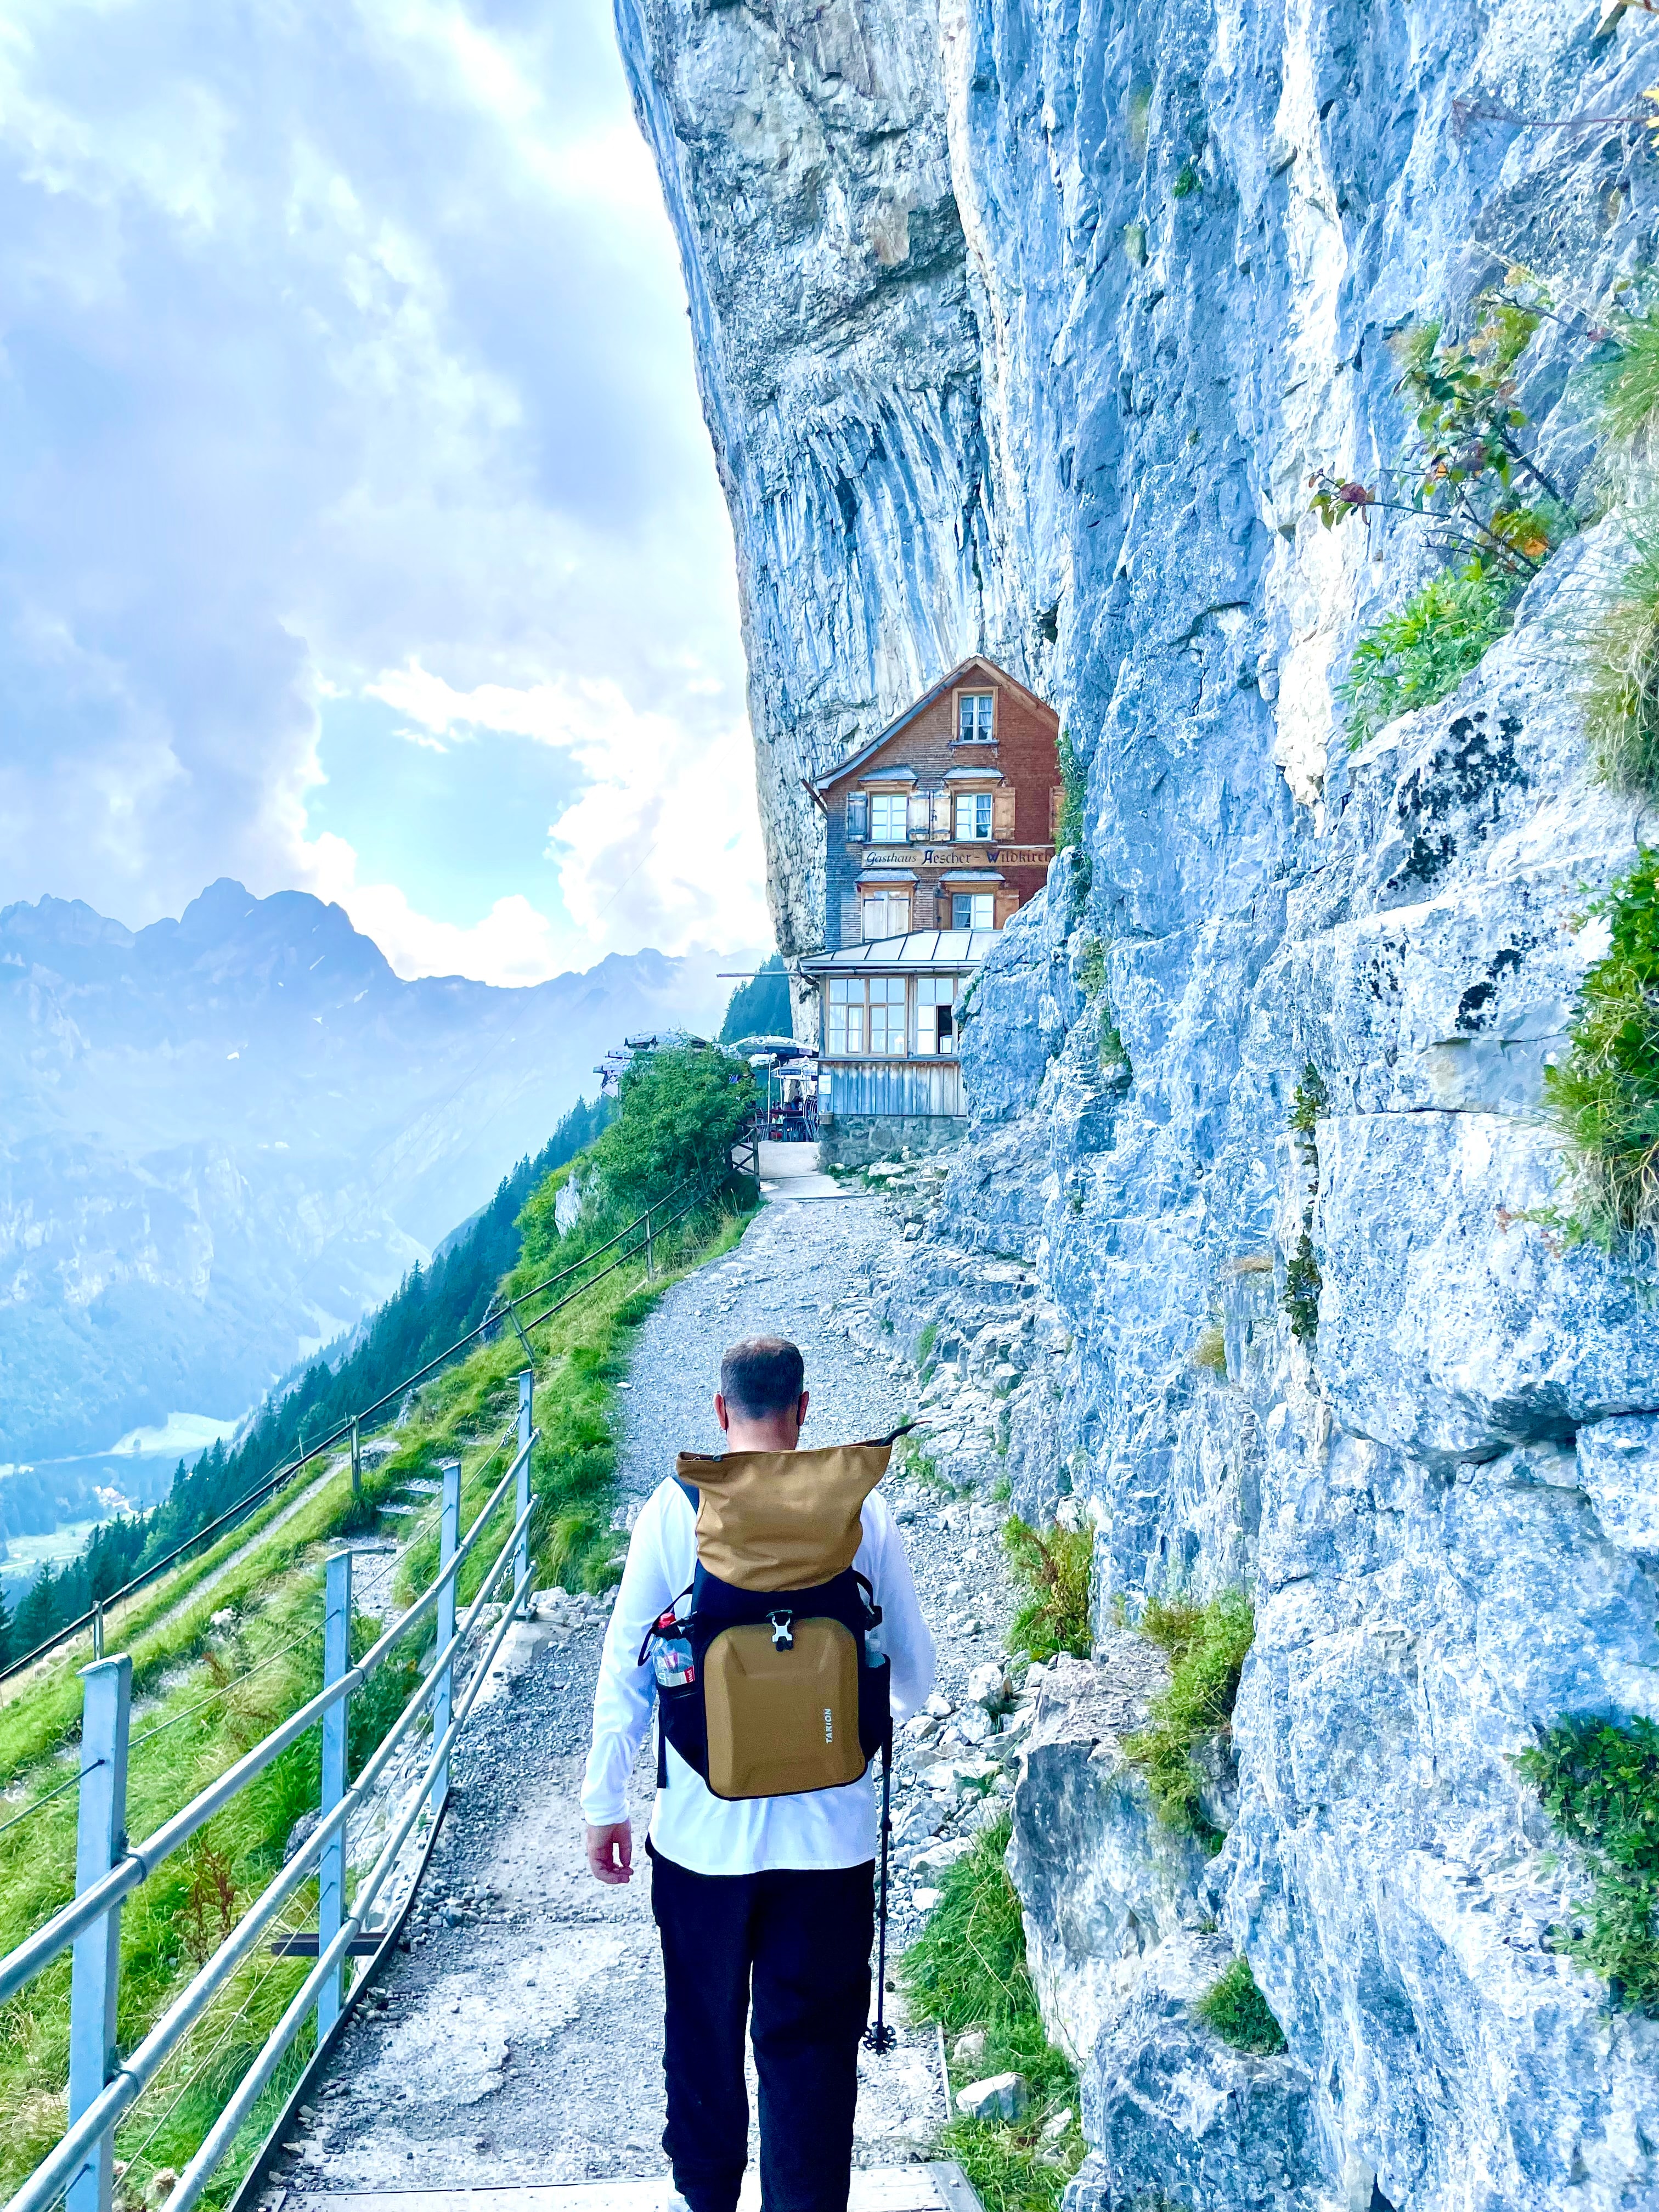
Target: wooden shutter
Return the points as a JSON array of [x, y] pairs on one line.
[[1002, 814], [921, 813], [1007, 905], [858, 815], [1056, 808], [942, 815]]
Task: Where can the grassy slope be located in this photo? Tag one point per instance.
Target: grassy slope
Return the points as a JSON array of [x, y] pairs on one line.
[[275, 1593]]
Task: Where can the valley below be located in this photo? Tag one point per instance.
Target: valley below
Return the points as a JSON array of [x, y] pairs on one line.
[[226, 1137]]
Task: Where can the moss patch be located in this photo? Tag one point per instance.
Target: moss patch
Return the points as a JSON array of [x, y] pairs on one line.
[[1206, 1644], [1210, 1351], [1239, 2012]]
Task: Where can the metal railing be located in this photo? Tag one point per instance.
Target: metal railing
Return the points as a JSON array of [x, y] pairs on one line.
[[639, 1234], [103, 2087]]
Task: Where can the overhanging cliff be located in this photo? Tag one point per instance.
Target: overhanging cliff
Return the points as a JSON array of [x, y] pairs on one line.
[[1024, 328]]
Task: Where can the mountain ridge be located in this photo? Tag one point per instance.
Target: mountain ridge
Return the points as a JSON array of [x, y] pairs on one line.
[[230, 1134]]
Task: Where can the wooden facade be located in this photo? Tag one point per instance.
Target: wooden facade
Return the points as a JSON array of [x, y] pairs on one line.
[[936, 832], [946, 820], [888, 1045]]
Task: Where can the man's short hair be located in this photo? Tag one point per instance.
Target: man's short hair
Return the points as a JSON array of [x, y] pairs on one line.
[[761, 1375]]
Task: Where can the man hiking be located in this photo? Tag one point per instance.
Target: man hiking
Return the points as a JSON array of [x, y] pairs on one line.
[[764, 1904]]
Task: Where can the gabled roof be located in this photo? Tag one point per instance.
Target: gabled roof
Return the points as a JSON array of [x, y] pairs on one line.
[[820, 784]]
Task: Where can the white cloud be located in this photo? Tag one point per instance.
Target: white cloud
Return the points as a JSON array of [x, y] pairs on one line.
[[342, 339], [663, 846]]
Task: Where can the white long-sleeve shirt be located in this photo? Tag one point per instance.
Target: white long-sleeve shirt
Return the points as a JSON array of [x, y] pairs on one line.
[[689, 1825]]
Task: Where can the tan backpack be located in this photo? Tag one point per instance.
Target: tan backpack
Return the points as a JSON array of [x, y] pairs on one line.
[[770, 1676]]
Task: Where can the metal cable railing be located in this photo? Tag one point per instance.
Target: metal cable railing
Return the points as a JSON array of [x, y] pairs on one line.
[[103, 2090], [644, 1228]]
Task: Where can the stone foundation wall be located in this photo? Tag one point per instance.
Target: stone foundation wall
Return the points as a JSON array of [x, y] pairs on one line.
[[854, 1141]]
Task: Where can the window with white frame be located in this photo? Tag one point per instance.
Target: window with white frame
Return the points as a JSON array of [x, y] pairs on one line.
[[844, 1031], [890, 817], [973, 714], [936, 1019], [972, 910], [887, 1024], [886, 913], [973, 817]]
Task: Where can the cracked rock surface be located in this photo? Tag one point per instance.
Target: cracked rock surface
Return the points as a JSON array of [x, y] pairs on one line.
[[1020, 328]]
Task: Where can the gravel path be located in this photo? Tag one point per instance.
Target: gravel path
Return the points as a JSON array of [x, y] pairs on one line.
[[798, 1261], [519, 2039]]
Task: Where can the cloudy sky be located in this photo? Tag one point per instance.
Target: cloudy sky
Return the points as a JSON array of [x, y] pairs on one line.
[[358, 528]]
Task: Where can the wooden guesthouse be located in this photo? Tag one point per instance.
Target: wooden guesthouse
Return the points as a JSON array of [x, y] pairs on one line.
[[937, 831]]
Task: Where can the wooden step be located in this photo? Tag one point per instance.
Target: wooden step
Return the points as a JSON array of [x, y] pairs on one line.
[[940, 2187]]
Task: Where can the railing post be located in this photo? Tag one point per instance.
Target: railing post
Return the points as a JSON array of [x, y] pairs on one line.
[[450, 1535], [650, 1258], [331, 1868], [98, 1628], [357, 1463], [100, 1839], [526, 1406]]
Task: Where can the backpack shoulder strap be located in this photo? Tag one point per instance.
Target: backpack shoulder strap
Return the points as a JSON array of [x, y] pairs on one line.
[[689, 1491]]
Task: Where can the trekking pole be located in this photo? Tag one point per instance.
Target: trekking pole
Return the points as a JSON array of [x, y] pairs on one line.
[[881, 2039]]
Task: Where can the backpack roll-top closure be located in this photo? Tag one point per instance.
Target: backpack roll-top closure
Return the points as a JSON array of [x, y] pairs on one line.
[[781, 1521]]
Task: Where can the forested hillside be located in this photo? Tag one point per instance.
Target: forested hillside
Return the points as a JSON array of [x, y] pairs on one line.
[[432, 1307]]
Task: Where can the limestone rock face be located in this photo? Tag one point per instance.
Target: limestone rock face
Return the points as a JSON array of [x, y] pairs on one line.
[[1022, 329]]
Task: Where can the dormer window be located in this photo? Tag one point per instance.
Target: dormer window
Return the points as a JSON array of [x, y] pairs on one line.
[[974, 717]]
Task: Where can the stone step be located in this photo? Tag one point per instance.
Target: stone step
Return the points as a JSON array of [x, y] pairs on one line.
[[939, 2187]]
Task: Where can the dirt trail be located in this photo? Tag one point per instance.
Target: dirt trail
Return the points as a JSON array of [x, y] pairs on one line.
[[519, 2038]]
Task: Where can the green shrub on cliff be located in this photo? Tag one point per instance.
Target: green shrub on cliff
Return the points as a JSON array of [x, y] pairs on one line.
[[1300, 1297], [1599, 1780], [1069, 833], [1239, 2012], [1053, 1570], [1206, 1644], [1605, 1094], [1422, 653], [1312, 1100]]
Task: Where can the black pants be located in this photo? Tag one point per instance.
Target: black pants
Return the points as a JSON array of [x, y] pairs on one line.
[[796, 1947]]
